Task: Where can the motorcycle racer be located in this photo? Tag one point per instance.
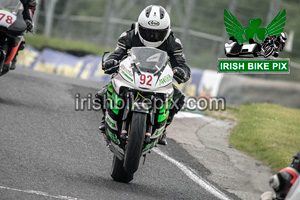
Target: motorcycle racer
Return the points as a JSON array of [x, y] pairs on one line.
[[28, 12], [283, 180], [277, 41], [152, 29]]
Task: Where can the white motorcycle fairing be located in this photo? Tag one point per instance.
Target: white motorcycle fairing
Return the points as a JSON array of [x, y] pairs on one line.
[[156, 80]]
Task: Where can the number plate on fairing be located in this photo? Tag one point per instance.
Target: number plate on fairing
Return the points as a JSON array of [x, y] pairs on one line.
[[7, 18], [145, 80]]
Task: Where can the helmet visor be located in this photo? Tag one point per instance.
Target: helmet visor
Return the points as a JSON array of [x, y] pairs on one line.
[[152, 35]]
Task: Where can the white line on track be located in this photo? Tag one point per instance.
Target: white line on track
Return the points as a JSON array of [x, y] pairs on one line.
[[181, 115], [194, 177], [33, 192]]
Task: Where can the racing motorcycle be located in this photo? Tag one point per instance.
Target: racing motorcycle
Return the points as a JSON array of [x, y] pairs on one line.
[[12, 30], [272, 45], [138, 100], [270, 49]]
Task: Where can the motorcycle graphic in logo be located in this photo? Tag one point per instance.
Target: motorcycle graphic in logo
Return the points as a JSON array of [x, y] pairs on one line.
[[261, 41], [250, 43]]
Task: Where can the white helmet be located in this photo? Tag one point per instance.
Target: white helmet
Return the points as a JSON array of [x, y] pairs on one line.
[[283, 37], [153, 26]]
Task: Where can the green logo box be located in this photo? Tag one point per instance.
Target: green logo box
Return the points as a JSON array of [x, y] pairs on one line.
[[254, 66]]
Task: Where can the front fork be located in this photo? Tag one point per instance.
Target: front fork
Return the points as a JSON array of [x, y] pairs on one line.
[[152, 113], [130, 107], [125, 122]]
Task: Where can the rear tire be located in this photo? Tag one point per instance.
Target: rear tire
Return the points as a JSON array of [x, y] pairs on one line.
[[118, 173], [135, 144]]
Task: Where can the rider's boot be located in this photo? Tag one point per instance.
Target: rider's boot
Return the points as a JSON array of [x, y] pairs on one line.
[[179, 99], [100, 99], [13, 63], [102, 126], [163, 139]]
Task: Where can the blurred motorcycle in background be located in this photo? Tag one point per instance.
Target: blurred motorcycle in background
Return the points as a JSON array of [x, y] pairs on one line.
[[12, 30]]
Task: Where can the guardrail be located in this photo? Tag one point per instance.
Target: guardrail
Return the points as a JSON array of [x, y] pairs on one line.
[[203, 83]]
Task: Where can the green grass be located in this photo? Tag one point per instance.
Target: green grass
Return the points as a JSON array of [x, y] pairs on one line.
[[39, 42], [267, 132]]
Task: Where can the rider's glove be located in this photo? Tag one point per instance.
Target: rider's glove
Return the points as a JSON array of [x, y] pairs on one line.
[[29, 25], [110, 66], [180, 75]]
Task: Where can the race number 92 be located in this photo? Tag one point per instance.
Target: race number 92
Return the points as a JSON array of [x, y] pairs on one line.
[[146, 79]]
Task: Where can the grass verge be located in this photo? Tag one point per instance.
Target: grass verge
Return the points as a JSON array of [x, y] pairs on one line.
[[267, 132], [40, 41]]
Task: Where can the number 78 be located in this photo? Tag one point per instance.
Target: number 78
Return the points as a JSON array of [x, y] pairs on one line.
[[8, 18]]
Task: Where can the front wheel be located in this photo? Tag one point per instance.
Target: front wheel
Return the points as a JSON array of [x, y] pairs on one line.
[[118, 173], [268, 51], [5, 70], [133, 151]]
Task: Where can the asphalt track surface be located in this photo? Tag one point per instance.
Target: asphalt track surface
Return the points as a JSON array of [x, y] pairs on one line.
[[50, 151]]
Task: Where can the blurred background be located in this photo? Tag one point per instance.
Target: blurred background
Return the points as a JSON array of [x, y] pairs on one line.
[[199, 24]]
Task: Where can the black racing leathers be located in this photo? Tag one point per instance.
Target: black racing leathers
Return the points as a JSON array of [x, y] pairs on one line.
[[172, 46], [29, 3], [29, 8]]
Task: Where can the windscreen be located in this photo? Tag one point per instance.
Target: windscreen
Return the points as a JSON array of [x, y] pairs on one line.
[[148, 59], [11, 5]]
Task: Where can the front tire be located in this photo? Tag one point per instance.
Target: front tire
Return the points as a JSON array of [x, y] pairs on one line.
[[5, 70], [118, 173], [135, 144]]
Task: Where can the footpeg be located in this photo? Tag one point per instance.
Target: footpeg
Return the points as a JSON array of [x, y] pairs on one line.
[[147, 138], [102, 128], [123, 135]]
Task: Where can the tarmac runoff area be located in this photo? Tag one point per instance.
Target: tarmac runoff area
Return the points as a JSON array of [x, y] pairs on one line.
[[206, 139]]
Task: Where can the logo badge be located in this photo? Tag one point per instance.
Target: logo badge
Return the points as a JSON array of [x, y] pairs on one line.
[[153, 23], [252, 42]]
